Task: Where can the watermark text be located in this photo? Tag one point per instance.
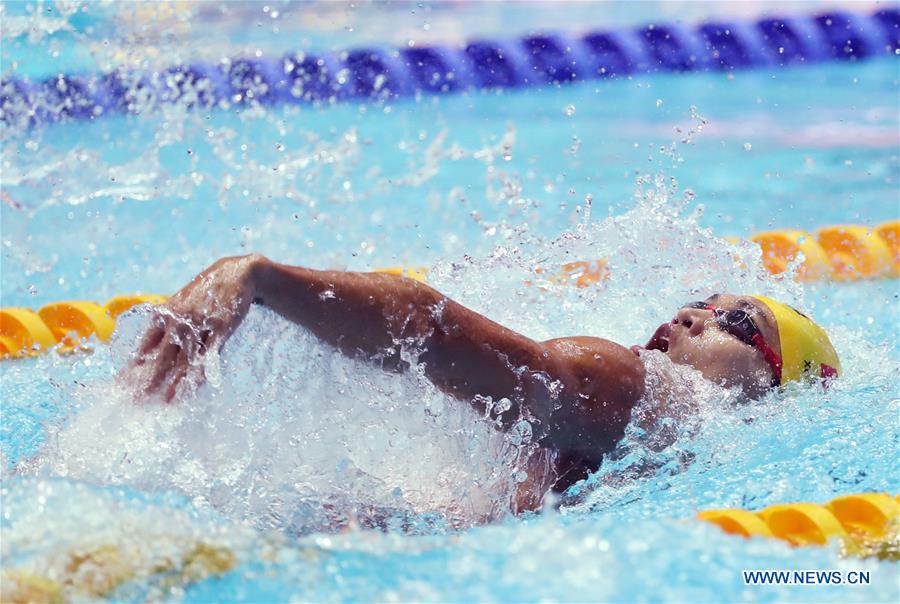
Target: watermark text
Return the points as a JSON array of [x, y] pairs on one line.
[[805, 577]]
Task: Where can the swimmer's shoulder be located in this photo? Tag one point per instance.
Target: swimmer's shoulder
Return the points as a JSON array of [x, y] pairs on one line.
[[604, 381], [599, 360]]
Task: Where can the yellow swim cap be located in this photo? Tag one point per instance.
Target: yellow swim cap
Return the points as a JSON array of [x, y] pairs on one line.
[[805, 347]]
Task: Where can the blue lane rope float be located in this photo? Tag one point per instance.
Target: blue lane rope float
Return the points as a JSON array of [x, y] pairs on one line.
[[386, 74]]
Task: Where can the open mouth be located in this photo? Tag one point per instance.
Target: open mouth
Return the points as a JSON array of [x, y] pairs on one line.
[[660, 339]]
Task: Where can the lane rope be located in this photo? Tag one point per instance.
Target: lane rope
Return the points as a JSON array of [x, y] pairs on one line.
[[866, 524], [378, 73], [839, 253]]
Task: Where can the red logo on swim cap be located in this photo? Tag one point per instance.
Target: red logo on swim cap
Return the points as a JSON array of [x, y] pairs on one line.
[[827, 372]]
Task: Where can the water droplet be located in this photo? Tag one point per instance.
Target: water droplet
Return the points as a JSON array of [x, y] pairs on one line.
[[521, 433], [570, 110], [659, 102], [502, 406]]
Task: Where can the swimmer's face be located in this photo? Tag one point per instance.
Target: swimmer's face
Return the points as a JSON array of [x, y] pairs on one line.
[[694, 337]]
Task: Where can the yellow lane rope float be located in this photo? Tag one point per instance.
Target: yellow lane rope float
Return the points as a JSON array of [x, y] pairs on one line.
[[841, 253], [95, 571], [866, 523], [24, 332]]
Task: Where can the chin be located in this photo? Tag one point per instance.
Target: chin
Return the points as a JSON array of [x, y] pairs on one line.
[[678, 359], [680, 356]]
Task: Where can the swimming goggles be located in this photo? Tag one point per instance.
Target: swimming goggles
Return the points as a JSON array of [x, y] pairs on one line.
[[738, 323]]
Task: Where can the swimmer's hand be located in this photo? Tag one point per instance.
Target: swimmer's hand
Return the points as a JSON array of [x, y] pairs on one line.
[[197, 319]]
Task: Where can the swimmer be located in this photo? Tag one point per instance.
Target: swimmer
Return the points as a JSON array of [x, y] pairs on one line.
[[577, 392]]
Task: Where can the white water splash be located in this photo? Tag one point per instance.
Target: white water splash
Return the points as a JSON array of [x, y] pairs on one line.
[[290, 434]]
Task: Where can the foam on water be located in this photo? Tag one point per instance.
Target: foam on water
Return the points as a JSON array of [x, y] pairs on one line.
[[288, 433]]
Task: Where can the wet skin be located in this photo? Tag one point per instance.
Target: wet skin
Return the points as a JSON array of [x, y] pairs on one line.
[[577, 392]]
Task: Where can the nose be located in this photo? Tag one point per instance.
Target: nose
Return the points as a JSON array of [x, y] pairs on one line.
[[693, 319]]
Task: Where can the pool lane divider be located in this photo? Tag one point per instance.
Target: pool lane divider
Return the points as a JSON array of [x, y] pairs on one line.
[[64, 326], [836, 253], [868, 519], [377, 73], [865, 523], [839, 253]]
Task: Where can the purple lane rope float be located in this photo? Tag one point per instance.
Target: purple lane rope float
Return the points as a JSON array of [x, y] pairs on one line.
[[386, 74]]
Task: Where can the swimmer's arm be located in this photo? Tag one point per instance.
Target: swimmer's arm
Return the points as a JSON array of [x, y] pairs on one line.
[[580, 389], [370, 315], [373, 315]]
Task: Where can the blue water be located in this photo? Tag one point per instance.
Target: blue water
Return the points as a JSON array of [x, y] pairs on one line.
[[481, 188]]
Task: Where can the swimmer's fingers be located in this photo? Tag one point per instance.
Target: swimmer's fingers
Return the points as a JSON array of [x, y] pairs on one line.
[[151, 339], [192, 346], [138, 371], [164, 363], [179, 371], [207, 341], [168, 351]]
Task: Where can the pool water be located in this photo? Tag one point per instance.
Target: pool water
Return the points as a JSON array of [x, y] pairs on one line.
[[227, 495]]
